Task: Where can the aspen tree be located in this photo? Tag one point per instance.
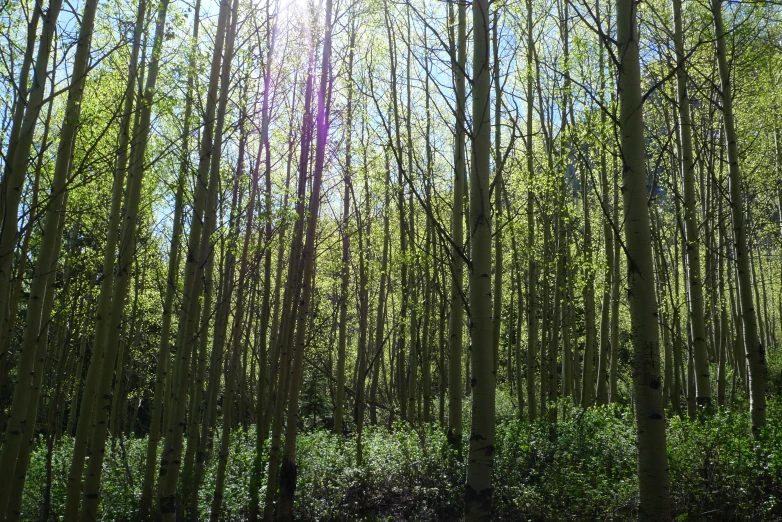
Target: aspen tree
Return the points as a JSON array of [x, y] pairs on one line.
[[115, 417], [189, 308], [364, 247], [410, 266], [20, 103], [288, 470], [608, 239], [761, 328], [442, 371], [343, 305], [545, 315], [754, 350], [260, 434], [291, 296], [458, 65], [680, 382], [405, 364], [127, 250], [480, 461], [52, 432], [613, 395], [532, 268], [723, 318], [687, 166], [49, 248], [498, 261], [382, 299], [770, 335], [74, 402], [666, 339], [203, 403], [560, 240], [653, 480], [233, 382], [712, 306], [172, 278], [202, 261], [345, 271], [567, 351], [15, 170], [19, 473], [426, 376], [778, 168], [236, 334], [197, 416], [518, 315], [7, 289], [16, 289], [547, 337], [587, 377]]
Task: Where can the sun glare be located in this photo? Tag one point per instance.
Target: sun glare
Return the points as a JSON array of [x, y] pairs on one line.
[[294, 6]]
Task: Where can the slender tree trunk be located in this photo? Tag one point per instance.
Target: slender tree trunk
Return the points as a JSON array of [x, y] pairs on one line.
[[127, 250], [758, 302], [616, 277], [199, 250], [260, 434], [364, 247], [532, 270], [381, 306], [16, 161], [49, 247], [16, 289], [7, 318], [455, 341], [480, 463], [410, 268], [107, 280], [291, 296], [654, 485], [498, 160], [78, 376], [172, 278], [767, 320], [695, 309], [427, 337], [723, 317], [755, 351], [587, 380], [345, 271], [13, 511], [231, 380], [608, 239], [288, 472]]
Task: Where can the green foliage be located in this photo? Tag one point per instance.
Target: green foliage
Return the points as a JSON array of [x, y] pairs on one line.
[[583, 469], [719, 473]]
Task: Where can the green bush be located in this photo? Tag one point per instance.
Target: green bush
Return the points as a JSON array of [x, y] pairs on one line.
[[581, 469]]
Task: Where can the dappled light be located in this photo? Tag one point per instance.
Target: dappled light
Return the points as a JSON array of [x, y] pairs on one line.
[[390, 260]]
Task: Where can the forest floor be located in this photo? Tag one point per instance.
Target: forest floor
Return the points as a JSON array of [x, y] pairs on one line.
[[582, 469]]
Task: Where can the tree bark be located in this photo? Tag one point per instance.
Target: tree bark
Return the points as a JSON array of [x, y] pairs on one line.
[[480, 462], [754, 350], [172, 278], [288, 471], [49, 246], [456, 319], [653, 480], [696, 308], [16, 160]]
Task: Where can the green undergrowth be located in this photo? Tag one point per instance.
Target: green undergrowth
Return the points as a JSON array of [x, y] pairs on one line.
[[584, 469]]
